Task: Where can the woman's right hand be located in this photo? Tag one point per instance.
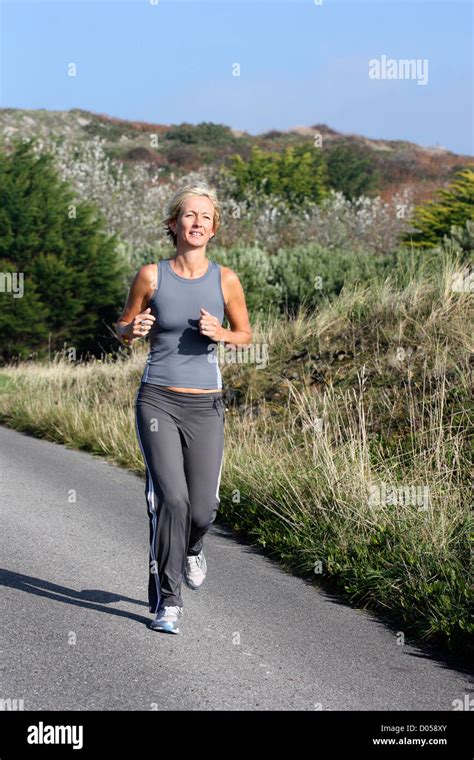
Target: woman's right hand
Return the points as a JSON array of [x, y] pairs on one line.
[[140, 327]]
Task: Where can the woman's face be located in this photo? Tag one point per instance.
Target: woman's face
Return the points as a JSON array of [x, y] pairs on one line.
[[195, 224]]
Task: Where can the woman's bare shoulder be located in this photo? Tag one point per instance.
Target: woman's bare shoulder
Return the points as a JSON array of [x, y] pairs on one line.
[[228, 275], [148, 277], [230, 283]]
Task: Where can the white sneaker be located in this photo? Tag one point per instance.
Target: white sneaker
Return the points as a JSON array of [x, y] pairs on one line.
[[196, 568], [167, 619]]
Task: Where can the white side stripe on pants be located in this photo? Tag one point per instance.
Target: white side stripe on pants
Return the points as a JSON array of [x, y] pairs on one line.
[[150, 498], [219, 478]]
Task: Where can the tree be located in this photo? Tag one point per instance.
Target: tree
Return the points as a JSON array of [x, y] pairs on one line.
[[303, 174], [73, 279], [296, 175], [351, 170], [453, 207]]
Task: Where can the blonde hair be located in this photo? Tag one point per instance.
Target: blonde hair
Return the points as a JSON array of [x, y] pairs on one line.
[[174, 205]]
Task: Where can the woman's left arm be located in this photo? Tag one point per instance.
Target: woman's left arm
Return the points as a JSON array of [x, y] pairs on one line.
[[236, 312]]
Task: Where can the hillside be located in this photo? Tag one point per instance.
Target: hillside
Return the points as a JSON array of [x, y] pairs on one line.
[[179, 149]]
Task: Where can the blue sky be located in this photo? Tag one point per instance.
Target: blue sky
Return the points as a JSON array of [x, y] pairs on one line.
[[301, 63]]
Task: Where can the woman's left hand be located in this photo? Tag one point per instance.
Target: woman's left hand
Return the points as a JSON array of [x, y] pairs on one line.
[[210, 326]]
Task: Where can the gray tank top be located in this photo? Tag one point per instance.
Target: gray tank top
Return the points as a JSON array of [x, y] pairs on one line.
[[179, 354]]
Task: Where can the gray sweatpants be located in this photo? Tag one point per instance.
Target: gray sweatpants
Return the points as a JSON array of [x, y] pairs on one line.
[[181, 437]]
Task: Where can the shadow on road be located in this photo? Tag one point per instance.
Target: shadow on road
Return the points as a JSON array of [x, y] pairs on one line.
[[93, 599]]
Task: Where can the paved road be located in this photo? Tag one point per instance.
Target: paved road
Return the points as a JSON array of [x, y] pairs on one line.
[[254, 637]]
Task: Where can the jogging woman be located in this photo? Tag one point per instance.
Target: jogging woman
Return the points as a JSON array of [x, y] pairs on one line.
[[179, 410]]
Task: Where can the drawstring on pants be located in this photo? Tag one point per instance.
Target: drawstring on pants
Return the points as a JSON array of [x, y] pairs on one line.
[[215, 403]]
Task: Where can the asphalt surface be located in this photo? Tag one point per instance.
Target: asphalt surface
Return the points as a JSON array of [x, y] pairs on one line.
[[254, 637]]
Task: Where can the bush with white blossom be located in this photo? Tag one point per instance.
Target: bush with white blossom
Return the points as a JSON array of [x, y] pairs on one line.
[[132, 199]]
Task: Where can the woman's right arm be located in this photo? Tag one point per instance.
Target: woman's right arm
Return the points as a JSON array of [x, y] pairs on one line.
[[128, 328]]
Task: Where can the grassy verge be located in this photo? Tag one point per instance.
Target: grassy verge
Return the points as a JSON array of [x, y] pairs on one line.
[[346, 455]]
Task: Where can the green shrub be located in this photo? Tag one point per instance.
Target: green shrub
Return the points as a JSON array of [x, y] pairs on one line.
[[351, 170], [255, 271], [297, 174], [311, 274], [435, 219], [205, 133]]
